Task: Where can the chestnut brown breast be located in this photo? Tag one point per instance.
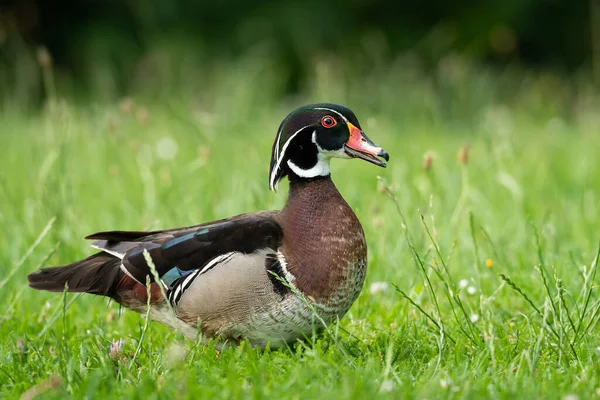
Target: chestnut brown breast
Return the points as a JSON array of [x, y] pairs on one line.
[[324, 243]]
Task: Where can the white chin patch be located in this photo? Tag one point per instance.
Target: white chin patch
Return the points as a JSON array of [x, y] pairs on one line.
[[321, 168]]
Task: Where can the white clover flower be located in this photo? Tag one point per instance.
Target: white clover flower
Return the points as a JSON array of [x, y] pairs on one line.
[[166, 148], [377, 287], [387, 386]]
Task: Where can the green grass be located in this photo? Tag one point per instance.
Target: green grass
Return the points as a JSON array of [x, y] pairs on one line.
[[490, 263]]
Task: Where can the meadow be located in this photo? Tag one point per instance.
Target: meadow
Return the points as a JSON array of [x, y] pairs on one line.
[[482, 233]]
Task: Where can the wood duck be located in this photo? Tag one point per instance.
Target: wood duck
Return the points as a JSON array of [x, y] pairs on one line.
[[260, 276]]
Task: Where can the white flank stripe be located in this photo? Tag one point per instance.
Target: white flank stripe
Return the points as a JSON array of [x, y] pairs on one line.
[[180, 289], [216, 260], [286, 274], [187, 281], [173, 295]]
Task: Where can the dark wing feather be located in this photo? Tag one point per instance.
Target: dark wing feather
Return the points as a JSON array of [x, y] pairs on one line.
[[191, 247], [118, 236]]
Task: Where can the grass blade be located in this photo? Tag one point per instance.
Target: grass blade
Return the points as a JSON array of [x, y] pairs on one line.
[[422, 311], [29, 252]]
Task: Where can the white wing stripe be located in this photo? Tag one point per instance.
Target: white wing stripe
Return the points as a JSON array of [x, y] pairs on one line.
[[128, 273], [113, 253]]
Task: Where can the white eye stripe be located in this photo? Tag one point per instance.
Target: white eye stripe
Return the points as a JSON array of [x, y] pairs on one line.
[[280, 157], [333, 111], [277, 145]]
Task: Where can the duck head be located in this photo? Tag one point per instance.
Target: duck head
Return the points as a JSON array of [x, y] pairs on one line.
[[310, 136]]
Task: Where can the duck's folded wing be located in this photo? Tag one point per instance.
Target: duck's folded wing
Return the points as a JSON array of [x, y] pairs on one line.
[[192, 248]]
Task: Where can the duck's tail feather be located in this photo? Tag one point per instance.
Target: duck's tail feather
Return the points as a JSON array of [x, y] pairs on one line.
[[98, 274]]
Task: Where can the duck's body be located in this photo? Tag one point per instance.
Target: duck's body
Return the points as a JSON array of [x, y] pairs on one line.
[[258, 276]]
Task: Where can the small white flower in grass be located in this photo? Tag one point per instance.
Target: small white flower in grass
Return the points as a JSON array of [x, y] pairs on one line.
[[571, 397], [474, 317], [443, 383], [598, 350], [463, 283], [387, 386], [377, 287], [471, 290], [166, 148], [174, 355]]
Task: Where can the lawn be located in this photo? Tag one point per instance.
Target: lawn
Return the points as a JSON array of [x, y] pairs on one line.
[[482, 236]]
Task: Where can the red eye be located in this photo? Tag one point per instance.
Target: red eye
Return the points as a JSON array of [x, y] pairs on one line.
[[328, 121]]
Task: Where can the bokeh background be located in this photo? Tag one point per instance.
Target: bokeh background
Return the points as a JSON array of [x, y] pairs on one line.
[[104, 50], [133, 114]]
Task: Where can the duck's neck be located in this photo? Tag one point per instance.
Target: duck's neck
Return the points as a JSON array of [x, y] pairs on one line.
[[323, 238], [306, 188], [314, 205]]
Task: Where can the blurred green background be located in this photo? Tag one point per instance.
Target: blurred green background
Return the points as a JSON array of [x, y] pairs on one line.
[[148, 115], [102, 50]]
